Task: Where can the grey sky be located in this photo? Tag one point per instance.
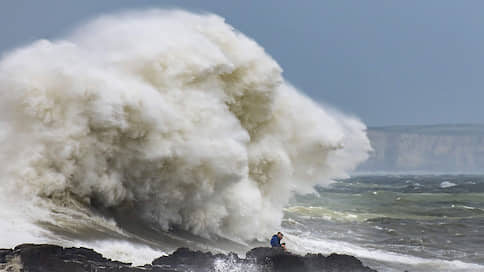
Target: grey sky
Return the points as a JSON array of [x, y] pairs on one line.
[[388, 62]]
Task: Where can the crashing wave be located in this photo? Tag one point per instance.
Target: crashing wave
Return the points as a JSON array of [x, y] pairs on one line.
[[170, 117]]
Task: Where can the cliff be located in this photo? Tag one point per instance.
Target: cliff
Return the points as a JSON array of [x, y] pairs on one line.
[[439, 148]]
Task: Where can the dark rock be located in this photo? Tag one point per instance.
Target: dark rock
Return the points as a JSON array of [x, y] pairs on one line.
[[186, 259], [262, 254], [334, 262], [3, 254], [275, 259], [51, 258], [83, 253]]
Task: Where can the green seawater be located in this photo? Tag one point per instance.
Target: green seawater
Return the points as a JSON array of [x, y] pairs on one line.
[[434, 217]]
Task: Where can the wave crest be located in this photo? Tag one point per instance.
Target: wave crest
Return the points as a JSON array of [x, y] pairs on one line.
[[171, 115]]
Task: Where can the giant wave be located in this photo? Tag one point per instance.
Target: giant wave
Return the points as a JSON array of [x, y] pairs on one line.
[[168, 118]]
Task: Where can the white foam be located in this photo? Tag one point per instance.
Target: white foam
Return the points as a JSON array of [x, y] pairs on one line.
[[171, 113], [17, 225], [123, 251], [301, 244], [447, 184], [223, 265]]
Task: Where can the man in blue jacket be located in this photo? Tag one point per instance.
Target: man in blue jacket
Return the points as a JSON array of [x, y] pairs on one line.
[[276, 239]]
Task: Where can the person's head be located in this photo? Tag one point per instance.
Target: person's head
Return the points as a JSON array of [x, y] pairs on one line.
[[280, 235], [283, 245]]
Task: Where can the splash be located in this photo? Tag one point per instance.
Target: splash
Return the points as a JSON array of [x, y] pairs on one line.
[[170, 118]]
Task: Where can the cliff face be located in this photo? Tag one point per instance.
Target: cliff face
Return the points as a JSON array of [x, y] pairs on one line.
[[442, 148]]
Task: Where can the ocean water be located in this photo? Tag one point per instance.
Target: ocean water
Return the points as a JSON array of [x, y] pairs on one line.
[[395, 222]]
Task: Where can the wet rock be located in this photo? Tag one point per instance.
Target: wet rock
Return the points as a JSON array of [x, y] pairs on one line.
[[3, 254], [52, 258], [278, 260]]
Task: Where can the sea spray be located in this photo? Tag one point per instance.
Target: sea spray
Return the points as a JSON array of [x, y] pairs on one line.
[[170, 118]]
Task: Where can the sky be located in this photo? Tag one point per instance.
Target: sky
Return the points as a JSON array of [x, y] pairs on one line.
[[386, 62]]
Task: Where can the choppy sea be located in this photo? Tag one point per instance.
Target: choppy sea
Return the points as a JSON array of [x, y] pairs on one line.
[[395, 222]]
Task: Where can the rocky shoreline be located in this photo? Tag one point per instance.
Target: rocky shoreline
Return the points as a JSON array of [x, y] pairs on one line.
[[52, 258]]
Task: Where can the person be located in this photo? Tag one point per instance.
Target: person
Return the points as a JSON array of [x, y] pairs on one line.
[[276, 239]]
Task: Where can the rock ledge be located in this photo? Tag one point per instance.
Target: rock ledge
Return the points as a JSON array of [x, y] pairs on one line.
[[52, 258]]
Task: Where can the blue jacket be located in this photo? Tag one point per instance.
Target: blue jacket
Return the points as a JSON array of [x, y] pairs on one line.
[[275, 242]]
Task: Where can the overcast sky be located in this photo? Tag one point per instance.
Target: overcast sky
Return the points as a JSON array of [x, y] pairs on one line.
[[387, 62]]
